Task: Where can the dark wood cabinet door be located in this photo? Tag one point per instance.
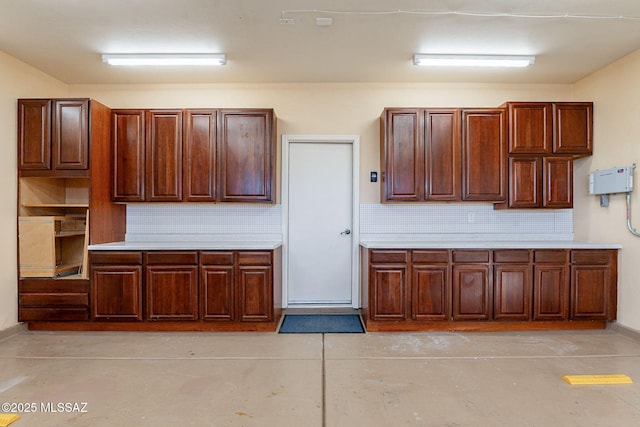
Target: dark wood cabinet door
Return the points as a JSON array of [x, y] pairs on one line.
[[589, 292], [34, 134], [388, 289], [484, 157], [164, 155], [199, 157], [558, 182], [247, 158], [116, 292], [217, 292], [530, 127], [171, 292], [128, 155], [70, 134], [472, 292], [512, 292], [573, 128], [255, 293], [525, 184], [442, 155], [402, 155], [550, 292], [430, 295]]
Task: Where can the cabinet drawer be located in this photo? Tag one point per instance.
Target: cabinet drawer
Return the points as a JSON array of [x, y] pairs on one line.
[[470, 256], [171, 258], [431, 257], [46, 286], [388, 256], [27, 314], [551, 256], [216, 258], [254, 258], [511, 255], [54, 299], [108, 257], [590, 257]]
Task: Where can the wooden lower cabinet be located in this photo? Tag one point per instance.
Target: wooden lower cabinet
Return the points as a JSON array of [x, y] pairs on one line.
[[472, 292], [53, 299], [171, 285], [593, 284], [237, 286], [388, 284], [430, 285], [388, 292], [550, 285], [512, 278], [512, 292], [476, 289], [116, 286], [217, 286], [234, 290], [430, 292]]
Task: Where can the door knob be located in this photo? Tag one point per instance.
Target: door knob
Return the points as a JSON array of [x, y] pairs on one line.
[[346, 232]]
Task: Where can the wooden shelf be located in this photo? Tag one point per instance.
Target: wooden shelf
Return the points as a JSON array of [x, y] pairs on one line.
[[56, 205], [52, 245], [65, 268], [70, 233]]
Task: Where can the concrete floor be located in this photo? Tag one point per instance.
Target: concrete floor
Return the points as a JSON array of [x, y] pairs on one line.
[[266, 379]]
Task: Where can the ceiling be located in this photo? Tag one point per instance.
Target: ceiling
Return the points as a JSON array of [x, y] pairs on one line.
[[368, 41]]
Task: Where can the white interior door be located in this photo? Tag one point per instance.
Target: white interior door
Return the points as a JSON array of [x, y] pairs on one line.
[[320, 223]]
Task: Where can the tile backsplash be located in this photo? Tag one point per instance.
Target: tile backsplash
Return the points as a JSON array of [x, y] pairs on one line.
[[193, 220], [190, 220], [467, 220]]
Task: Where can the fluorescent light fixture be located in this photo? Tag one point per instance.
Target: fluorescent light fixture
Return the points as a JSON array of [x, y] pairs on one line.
[[165, 59], [473, 60]]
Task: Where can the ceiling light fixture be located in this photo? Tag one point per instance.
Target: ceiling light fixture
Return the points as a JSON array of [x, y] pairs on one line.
[[165, 59], [473, 60]]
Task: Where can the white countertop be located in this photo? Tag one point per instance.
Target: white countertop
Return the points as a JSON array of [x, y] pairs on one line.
[[188, 245], [472, 244]]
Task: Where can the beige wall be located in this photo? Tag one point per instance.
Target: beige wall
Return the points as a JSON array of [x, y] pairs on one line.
[[354, 109], [17, 80], [614, 91]]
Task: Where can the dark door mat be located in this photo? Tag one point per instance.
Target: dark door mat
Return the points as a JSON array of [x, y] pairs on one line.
[[321, 323]]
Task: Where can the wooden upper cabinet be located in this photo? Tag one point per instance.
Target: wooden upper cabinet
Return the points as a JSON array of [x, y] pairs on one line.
[[34, 134], [558, 182], [530, 127], [525, 184], [484, 157], [128, 155], [536, 182], [402, 152], [194, 155], [442, 155], [573, 128], [164, 155], [247, 159], [199, 156], [53, 134], [70, 134]]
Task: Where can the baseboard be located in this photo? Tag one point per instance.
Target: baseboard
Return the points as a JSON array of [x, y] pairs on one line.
[[624, 330], [13, 330]]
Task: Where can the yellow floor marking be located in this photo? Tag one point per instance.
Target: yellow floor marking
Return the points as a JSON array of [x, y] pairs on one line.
[[6, 419], [598, 379]]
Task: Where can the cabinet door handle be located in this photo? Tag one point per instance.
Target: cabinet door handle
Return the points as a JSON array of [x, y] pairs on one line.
[[346, 232]]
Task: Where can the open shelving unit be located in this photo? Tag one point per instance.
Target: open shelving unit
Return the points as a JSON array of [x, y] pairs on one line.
[[53, 227]]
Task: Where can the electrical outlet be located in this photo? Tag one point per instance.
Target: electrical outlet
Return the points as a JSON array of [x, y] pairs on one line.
[[287, 21], [471, 217]]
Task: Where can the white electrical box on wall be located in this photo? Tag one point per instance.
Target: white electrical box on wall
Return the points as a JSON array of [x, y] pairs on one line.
[[611, 181]]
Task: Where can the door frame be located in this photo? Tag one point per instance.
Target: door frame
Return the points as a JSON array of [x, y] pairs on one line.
[[354, 140]]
